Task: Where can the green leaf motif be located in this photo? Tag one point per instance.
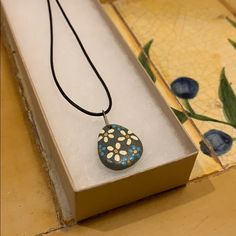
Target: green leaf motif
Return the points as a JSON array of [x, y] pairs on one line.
[[180, 115], [147, 47], [228, 99], [207, 118], [143, 58], [233, 23], [232, 43]]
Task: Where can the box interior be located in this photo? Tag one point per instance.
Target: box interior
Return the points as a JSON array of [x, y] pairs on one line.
[[137, 104]]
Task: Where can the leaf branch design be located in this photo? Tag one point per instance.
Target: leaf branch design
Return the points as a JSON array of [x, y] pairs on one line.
[[186, 89]]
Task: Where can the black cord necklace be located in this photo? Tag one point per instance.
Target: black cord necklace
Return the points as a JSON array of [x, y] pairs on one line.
[[118, 148], [88, 59]]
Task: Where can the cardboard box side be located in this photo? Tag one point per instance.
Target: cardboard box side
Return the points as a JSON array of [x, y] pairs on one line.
[[97, 200], [61, 183]]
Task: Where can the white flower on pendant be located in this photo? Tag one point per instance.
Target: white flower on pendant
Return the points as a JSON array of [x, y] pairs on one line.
[[106, 135], [128, 136], [116, 152]]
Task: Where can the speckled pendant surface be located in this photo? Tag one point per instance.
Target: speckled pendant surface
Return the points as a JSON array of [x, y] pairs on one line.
[[118, 147]]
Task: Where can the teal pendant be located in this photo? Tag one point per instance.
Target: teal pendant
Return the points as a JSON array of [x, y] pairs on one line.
[[118, 147]]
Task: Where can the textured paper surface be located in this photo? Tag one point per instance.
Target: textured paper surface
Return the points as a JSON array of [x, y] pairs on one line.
[[190, 39]]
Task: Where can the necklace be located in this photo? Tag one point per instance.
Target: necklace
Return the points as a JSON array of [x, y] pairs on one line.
[[118, 147]]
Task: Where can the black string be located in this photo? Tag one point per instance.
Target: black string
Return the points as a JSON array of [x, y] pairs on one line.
[[88, 59]]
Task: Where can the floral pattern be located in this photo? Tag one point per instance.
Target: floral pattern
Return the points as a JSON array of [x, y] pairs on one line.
[[128, 136], [135, 152], [118, 147], [116, 152], [106, 135]]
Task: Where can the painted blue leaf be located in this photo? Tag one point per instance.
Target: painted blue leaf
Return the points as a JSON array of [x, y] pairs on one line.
[[228, 99]]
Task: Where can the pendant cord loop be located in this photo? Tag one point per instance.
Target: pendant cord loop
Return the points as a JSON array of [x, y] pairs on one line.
[[86, 56], [105, 118]]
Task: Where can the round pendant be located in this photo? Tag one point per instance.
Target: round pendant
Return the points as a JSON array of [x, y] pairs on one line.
[[118, 147]]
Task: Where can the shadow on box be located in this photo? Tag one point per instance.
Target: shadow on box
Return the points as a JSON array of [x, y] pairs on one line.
[[145, 208]]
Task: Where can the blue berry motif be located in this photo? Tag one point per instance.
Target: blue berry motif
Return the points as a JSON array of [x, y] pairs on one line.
[[219, 140], [185, 87]]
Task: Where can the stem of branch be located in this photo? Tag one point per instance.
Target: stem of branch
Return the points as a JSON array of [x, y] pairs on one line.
[[188, 106]]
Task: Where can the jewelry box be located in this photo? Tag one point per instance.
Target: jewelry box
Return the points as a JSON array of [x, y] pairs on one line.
[[83, 186]]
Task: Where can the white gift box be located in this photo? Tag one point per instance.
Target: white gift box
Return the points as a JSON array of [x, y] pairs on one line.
[[83, 185]]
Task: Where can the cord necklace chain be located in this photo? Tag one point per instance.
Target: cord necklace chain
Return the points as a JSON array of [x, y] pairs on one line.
[[102, 113]]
